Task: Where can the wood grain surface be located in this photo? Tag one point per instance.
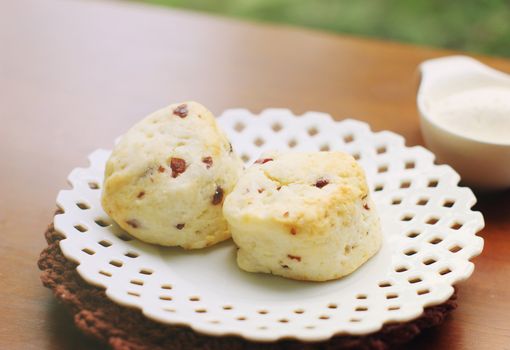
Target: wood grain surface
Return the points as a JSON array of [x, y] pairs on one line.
[[76, 74]]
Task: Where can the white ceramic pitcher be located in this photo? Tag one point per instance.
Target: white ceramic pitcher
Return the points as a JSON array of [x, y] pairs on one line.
[[483, 164]]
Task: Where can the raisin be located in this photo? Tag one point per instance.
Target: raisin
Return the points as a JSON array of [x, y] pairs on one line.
[[179, 226], [261, 190], [178, 166], [141, 194], [161, 169], [218, 196], [133, 223], [293, 231], [278, 188], [263, 160], [321, 182], [181, 111], [207, 161], [294, 257], [285, 266], [365, 204]]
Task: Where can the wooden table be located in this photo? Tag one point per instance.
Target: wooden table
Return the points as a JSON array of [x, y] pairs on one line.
[[74, 75]]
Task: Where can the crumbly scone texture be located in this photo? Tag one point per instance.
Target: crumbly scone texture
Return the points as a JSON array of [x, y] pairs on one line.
[[167, 177], [305, 216]]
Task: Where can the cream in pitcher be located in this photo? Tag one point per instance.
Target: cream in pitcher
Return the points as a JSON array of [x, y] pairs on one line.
[[482, 113], [465, 118]]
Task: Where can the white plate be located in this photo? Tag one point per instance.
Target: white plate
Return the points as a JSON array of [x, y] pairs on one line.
[[428, 226]]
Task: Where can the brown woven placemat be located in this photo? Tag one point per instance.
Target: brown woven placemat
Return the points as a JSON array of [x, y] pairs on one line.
[[125, 328]]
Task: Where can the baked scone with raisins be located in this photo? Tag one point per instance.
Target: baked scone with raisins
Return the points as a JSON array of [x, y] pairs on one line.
[[305, 216], [166, 179]]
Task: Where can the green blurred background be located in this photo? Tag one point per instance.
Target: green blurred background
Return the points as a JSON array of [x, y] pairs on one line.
[[481, 26]]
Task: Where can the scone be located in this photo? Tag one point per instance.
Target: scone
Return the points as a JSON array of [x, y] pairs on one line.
[[305, 216], [166, 179]]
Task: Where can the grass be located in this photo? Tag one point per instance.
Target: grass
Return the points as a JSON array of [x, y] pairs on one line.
[[481, 26]]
